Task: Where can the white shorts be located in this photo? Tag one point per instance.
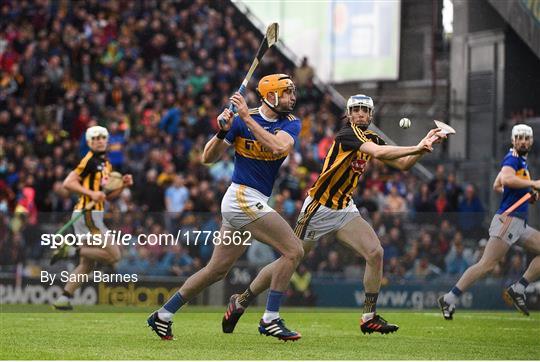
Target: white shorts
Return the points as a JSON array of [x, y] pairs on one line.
[[316, 220], [242, 205], [510, 229], [91, 222]]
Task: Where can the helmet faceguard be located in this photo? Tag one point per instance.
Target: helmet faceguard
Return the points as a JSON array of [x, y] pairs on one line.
[[96, 131], [520, 132], [360, 100], [276, 84]]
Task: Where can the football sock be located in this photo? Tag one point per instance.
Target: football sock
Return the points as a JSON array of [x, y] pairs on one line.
[[453, 296], [520, 286], [245, 299], [370, 305], [172, 306], [272, 306]]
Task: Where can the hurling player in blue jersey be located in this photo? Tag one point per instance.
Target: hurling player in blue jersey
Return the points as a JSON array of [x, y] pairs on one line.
[[262, 139], [514, 181]]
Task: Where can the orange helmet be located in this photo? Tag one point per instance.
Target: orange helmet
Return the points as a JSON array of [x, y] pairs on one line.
[[276, 83]]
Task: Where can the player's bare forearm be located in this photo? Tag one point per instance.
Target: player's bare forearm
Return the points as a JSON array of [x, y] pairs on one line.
[[515, 182], [404, 163], [509, 179], [277, 144], [73, 184], [389, 152], [213, 150]]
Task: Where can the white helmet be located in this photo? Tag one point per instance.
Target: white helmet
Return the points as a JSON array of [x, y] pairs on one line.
[[359, 100], [522, 130], [96, 131]]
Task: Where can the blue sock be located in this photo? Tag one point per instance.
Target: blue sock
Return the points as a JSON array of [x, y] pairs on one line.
[[173, 304], [272, 306], [456, 291], [524, 282], [274, 301]]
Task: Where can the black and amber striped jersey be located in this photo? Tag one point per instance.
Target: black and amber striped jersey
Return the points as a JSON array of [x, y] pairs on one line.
[[93, 170], [343, 166]]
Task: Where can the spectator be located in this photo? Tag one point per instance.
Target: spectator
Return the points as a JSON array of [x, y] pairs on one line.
[[394, 202], [423, 270], [300, 293], [150, 194], [303, 73], [515, 269], [176, 197], [394, 271], [332, 264], [367, 202], [458, 259], [117, 141], [390, 250], [223, 169], [177, 262], [423, 204], [471, 213], [26, 205]]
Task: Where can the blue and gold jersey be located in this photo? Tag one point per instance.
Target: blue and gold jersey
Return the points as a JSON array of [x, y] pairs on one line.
[[255, 165], [510, 196]]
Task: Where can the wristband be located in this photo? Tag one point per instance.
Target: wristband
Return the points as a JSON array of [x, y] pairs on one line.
[[221, 134]]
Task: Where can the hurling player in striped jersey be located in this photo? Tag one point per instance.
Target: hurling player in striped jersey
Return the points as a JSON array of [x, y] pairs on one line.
[[329, 208]]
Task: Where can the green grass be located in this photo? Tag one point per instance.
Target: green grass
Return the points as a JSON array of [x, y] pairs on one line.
[[34, 332]]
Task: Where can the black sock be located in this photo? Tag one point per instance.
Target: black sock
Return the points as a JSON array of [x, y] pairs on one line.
[[246, 298], [67, 294], [370, 304]]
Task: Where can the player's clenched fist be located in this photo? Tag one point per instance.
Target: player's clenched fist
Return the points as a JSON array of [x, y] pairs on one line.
[[241, 106], [535, 197], [97, 196], [226, 115]]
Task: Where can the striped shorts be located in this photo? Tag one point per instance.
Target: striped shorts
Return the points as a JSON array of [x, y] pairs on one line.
[[242, 205], [316, 220], [510, 229]]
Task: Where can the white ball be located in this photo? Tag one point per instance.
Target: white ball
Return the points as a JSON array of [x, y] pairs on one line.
[[404, 123]]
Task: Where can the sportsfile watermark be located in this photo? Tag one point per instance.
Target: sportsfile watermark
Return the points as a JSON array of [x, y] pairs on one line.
[[117, 237]]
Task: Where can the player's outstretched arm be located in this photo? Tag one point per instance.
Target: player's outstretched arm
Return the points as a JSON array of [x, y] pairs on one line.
[[279, 143], [395, 152], [405, 163], [509, 179], [217, 145]]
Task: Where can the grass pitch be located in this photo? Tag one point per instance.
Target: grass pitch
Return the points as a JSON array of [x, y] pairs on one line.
[[36, 332]]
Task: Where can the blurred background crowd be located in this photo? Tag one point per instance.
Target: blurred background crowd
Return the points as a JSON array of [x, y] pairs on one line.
[[157, 74]]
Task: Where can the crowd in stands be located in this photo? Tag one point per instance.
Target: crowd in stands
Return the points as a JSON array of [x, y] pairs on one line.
[[157, 74]]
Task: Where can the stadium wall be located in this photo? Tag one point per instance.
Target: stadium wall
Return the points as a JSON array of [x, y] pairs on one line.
[[329, 293]]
